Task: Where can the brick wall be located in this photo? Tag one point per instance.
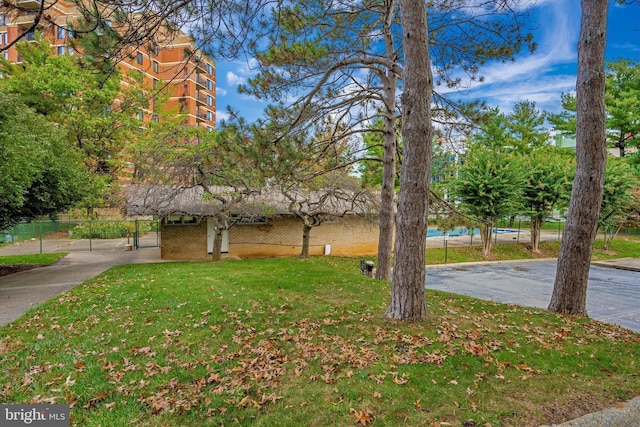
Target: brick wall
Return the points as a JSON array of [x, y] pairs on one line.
[[282, 237], [183, 241]]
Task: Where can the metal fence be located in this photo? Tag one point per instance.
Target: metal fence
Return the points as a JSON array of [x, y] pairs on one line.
[[85, 234]]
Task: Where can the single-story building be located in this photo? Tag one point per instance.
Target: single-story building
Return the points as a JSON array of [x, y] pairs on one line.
[[256, 225]]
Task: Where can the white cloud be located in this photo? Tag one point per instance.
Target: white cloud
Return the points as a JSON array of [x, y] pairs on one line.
[[221, 91], [541, 76], [222, 115], [233, 79]]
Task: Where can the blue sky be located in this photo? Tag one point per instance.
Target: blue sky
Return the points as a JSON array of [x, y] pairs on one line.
[[540, 77]]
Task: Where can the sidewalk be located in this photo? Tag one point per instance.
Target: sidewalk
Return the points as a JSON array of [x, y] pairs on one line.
[[26, 289]]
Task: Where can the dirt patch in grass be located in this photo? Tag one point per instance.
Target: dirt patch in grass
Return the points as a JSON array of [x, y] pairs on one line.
[[573, 407], [7, 269]]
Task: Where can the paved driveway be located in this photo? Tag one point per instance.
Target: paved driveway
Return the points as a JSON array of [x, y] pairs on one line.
[[613, 295]]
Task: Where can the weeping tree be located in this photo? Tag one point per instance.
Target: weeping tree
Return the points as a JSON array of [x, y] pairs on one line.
[[311, 174]]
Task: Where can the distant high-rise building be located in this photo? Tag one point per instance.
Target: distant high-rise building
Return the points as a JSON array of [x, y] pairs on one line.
[[172, 61]]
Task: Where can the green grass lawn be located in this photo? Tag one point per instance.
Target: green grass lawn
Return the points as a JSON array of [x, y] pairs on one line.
[[284, 342], [623, 246], [31, 258]]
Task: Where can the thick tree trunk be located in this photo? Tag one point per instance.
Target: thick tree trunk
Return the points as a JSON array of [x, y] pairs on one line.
[[407, 292], [570, 287], [216, 252], [387, 194], [536, 226], [306, 231]]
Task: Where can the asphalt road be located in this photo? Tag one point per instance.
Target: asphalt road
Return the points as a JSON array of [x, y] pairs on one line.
[[613, 295]]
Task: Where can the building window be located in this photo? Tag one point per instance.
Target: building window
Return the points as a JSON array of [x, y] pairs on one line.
[[6, 55], [210, 129], [3, 19], [155, 83], [209, 116], [70, 50], [140, 115], [139, 58], [60, 50], [155, 118], [155, 66], [61, 33], [209, 84], [4, 38], [209, 100], [209, 69]]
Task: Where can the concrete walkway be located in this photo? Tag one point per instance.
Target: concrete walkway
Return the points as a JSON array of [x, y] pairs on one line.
[[26, 289]]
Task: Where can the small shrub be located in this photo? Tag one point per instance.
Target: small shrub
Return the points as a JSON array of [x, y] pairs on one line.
[[108, 229]]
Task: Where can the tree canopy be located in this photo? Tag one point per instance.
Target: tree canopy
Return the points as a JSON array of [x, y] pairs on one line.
[[41, 172]]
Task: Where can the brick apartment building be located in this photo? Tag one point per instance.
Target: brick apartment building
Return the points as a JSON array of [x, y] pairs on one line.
[[175, 61]]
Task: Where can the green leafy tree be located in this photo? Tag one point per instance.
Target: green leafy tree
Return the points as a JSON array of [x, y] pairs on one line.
[[489, 187], [622, 101], [549, 176], [92, 113], [618, 201], [565, 121], [519, 131], [41, 173], [622, 104]]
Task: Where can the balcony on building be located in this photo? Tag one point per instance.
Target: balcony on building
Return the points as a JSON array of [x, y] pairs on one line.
[[201, 116], [25, 19], [201, 98], [30, 36], [29, 4], [201, 80], [200, 64]]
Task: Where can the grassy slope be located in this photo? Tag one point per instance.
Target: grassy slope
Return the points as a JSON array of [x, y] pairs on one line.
[[285, 342]]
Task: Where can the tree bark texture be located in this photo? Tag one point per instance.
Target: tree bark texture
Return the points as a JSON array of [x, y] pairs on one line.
[[216, 252], [536, 226], [407, 292], [486, 234], [306, 231], [387, 194], [570, 287]]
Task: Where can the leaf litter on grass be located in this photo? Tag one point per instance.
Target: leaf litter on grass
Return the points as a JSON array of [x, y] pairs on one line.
[[137, 347]]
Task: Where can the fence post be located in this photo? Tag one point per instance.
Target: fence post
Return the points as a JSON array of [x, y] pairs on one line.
[[90, 236], [136, 234], [40, 222], [446, 239]]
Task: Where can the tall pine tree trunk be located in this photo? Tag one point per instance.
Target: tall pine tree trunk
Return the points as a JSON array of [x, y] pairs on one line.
[[570, 287], [407, 292], [387, 194]]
